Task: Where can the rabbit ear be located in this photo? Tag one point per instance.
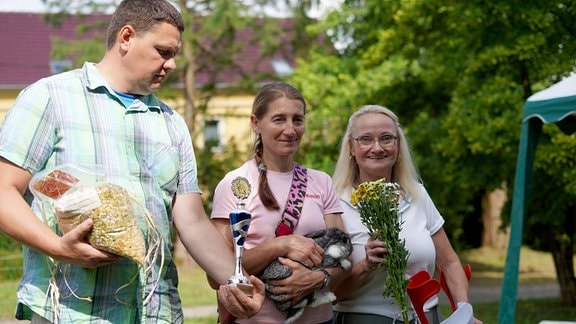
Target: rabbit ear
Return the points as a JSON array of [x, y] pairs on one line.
[[316, 234]]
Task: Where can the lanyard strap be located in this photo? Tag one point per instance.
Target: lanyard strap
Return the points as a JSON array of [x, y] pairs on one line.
[[294, 203]]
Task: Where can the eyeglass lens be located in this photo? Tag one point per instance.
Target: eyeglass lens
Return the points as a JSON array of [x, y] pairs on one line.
[[369, 141]]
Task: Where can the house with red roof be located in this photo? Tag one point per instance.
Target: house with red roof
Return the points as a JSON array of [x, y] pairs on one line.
[[26, 57]]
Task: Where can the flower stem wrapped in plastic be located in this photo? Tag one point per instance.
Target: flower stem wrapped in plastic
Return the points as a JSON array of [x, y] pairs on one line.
[[377, 202]]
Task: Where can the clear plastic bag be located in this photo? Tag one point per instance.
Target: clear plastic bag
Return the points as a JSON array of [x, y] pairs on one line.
[[78, 193]]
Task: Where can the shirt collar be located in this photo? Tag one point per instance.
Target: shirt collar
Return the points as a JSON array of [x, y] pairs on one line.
[[97, 83]]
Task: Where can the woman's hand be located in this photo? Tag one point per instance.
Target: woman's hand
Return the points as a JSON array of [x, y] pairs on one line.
[[375, 252], [299, 284], [302, 249]]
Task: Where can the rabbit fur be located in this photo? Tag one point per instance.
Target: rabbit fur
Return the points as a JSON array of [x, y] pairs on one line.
[[337, 248]]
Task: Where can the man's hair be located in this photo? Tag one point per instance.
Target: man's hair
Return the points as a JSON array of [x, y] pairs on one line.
[[142, 15]]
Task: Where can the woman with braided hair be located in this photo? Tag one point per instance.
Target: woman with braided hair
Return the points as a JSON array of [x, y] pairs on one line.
[[286, 202]]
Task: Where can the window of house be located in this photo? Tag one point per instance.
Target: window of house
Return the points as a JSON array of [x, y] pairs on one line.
[[60, 66], [212, 135]]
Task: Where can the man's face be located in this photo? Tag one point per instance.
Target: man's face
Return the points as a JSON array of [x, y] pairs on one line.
[[150, 56]]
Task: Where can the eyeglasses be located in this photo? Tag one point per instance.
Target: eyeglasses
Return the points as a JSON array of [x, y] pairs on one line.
[[384, 140]]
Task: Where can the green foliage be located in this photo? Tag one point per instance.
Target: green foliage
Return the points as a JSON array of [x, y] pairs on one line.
[[10, 258], [212, 167], [527, 311], [457, 74], [553, 197], [79, 51], [7, 243]]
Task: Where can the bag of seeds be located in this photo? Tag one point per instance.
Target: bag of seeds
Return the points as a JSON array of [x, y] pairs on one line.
[[78, 194]]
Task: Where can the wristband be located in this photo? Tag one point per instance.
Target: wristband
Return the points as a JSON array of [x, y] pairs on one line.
[[327, 278]]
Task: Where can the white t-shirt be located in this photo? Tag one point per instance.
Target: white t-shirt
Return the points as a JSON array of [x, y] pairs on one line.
[[421, 221], [320, 200]]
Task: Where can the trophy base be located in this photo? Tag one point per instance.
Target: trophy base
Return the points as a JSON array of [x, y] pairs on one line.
[[242, 283], [245, 288]]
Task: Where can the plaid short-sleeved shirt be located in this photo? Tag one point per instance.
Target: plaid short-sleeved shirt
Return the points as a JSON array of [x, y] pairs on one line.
[[76, 118]]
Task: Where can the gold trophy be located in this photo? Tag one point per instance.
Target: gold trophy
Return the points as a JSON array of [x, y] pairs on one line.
[[239, 223]]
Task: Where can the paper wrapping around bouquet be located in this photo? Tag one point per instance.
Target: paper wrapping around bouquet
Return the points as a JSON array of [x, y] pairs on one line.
[[115, 226]]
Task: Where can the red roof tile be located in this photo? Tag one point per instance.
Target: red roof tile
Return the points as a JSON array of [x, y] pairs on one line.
[[26, 42], [27, 46]]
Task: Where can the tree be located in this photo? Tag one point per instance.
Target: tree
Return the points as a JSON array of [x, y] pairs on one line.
[[458, 74], [214, 44]]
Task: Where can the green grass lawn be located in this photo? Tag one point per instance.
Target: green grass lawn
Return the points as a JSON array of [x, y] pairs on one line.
[[194, 289], [487, 269]]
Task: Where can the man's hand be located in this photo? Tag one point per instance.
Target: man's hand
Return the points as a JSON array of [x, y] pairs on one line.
[[78, 251], [238, 303]]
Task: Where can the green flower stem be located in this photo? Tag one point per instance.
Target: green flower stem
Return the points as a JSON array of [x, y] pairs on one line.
[[377, 203]]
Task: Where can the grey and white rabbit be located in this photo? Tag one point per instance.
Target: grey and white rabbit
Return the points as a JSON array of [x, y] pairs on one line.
[[337, 248]]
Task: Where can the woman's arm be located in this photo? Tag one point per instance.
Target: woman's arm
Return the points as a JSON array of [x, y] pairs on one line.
[[361, 271], [448, 260]]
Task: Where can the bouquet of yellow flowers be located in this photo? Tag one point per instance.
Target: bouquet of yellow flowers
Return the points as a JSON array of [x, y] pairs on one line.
[[377, 203]]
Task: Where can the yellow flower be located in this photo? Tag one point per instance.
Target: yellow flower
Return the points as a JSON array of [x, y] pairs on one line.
[[353, 198]]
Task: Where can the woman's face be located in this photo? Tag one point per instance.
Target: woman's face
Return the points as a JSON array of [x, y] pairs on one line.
[[282, 127], [375, 158]]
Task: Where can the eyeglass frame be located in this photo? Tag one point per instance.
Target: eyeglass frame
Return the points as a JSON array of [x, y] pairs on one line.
[[377, 140]]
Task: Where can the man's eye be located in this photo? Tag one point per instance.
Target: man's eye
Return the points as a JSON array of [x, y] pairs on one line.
[[166, 53]]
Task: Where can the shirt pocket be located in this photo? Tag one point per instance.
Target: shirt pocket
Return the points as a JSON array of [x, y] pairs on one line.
[[164, 166]]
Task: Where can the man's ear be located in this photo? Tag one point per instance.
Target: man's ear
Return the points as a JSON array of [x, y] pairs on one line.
[[125, 35]]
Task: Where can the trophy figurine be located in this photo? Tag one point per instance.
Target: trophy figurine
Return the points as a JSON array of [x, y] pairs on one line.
[[239, 223]]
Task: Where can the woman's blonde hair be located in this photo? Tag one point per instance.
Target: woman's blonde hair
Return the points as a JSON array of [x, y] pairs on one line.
[[347, 173]]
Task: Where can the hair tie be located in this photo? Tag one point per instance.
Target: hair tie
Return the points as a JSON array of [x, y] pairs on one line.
[[262, 167]]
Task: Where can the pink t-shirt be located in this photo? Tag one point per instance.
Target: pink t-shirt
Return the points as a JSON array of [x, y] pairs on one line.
[[320, 200]]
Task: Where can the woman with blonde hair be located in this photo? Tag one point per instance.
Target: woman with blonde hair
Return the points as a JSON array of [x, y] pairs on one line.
[[374, 147]]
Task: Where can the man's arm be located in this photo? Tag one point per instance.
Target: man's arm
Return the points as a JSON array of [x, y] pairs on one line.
[[201, 239], [210, 250], [19, 222]]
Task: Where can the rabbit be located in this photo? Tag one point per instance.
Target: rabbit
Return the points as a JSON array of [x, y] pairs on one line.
[[337, 248]]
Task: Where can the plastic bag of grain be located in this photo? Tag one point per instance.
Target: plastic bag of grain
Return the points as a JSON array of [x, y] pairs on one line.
[[77, 193]]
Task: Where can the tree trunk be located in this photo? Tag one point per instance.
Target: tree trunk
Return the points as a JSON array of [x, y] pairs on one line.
[[562, 247], [189, 72], [492, 203]]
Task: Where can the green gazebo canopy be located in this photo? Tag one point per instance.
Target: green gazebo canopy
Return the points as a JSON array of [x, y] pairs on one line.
[[556, 104]]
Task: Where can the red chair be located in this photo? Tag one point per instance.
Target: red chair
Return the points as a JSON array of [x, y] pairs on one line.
[[421, 288]]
